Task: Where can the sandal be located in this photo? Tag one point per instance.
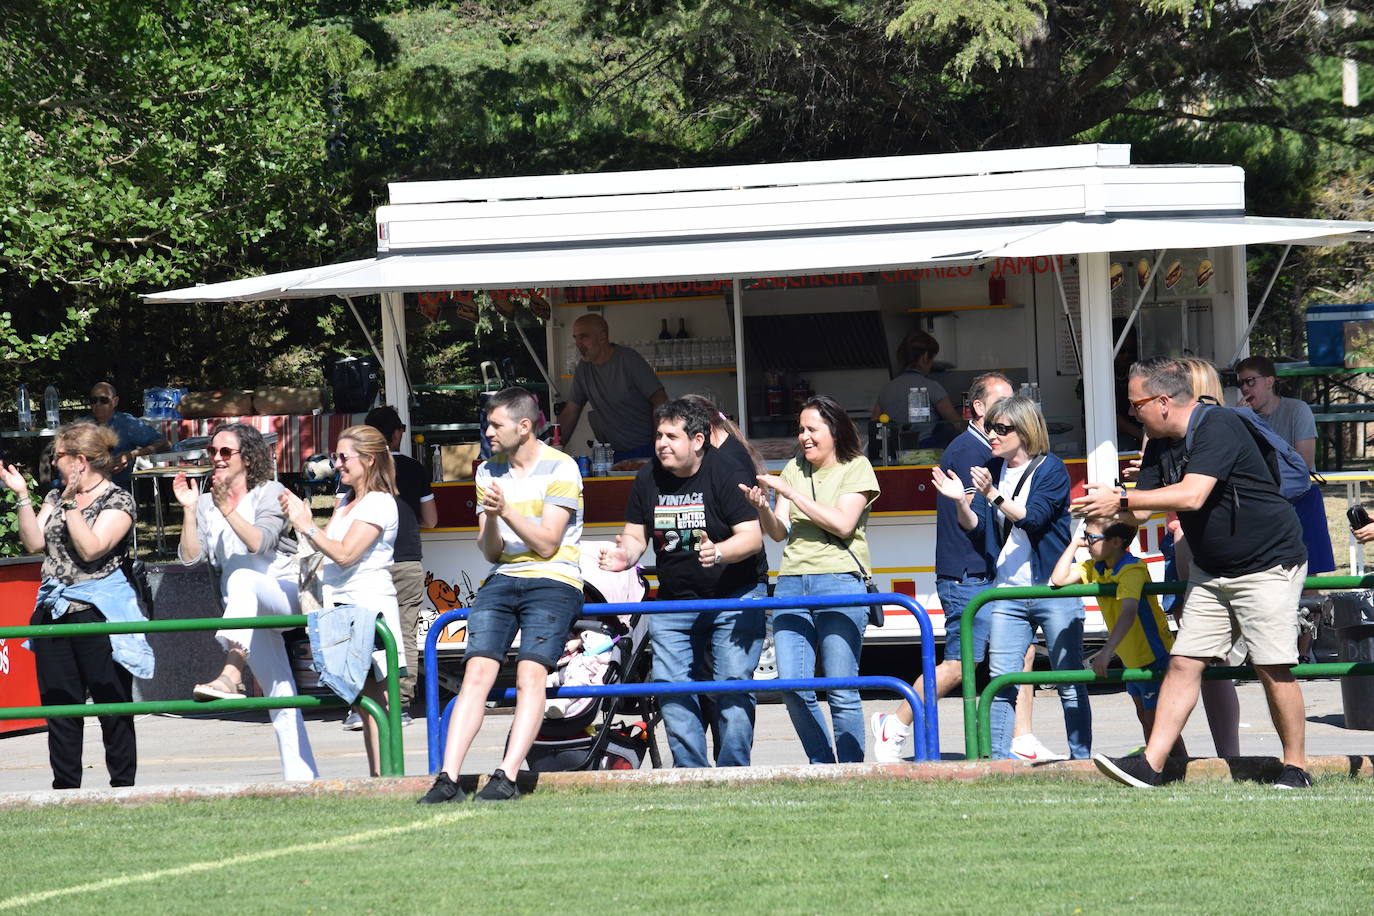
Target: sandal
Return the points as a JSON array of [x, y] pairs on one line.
[[221, 688]]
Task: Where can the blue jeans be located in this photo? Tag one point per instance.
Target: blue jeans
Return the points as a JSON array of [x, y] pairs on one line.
[[680, 642], [955, 594], [836, 635], [1013, 627]]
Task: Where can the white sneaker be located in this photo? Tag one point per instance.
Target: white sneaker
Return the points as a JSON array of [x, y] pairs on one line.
[[888, 735], [767, 668], [1028, 747]]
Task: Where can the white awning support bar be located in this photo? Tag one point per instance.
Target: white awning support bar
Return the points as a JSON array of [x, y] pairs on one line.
[[1259, 309], [1139, 301], [372, 344]]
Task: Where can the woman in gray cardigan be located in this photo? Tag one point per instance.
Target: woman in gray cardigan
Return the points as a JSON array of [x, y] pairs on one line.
[[239, 528]]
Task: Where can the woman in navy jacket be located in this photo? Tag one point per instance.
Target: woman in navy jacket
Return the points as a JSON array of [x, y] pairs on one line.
[[1019, 515]]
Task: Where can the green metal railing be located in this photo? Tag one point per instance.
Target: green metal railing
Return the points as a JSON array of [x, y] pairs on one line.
[[977, 714], [389, 740]]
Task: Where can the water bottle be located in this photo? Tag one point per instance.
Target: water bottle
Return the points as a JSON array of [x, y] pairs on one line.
[[917, 405], [50, 407], [21, 403]]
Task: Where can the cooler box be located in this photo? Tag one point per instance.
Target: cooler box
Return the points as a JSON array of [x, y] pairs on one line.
[[1326, 331]]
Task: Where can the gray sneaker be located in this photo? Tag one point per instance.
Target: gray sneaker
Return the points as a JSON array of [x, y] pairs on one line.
[[353, 722], [498, 788]]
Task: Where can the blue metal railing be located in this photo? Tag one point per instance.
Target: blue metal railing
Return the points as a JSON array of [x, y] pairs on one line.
[[926, 730]]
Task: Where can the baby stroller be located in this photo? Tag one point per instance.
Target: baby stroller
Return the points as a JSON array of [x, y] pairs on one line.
[[611, 733]]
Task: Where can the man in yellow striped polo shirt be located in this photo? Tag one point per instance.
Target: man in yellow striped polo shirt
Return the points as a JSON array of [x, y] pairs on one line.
[[529, 527]]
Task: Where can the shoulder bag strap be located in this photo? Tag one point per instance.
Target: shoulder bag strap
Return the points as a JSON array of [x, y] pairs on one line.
[[1016, 491], [863, 573]]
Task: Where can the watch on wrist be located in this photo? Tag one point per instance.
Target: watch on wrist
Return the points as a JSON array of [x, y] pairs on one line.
[[312, 531], [999, 500], [1125, 505], [67, 504]]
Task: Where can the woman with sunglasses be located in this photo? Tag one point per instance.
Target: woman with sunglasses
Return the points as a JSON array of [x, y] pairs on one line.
[[1022, 520], [85, 531], [357, 545], [823, 499], [238, 527]]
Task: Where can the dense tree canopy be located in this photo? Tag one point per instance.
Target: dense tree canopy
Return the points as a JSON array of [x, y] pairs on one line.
[[145, 146]]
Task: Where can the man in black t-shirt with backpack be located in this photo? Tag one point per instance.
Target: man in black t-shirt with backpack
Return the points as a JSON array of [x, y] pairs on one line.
[[1248, 566], [708, 544]]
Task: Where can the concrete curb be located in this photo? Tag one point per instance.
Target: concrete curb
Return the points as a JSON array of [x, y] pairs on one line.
[[1207, 769]]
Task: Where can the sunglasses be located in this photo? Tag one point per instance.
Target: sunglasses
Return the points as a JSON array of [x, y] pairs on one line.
[[1249, 380], [1094, 538], [341, 458], [100, 399], [1141, 402], [1002, 429], [224, 452]]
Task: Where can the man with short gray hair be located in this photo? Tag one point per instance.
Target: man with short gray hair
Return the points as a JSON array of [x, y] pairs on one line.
[[1248, 560], [619, 384]]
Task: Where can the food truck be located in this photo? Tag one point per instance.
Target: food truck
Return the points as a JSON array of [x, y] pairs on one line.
[[758, 284]]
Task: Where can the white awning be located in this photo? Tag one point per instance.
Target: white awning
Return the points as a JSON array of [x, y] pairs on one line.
[[593, 265], [253, 289], [1088, 236], [747, 257]]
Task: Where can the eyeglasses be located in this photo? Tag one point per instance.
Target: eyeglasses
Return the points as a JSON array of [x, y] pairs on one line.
[[1141, 402], [1002, 429], [1094, 538], [224, 452], [341, 458], [1249, 380], [100, 399]]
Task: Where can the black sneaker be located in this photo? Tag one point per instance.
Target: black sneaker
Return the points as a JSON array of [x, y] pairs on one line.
[[443, 790], [1293, 778], [498, 788], [1129, 771]]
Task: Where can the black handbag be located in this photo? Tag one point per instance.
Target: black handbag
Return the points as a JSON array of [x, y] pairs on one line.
[[876, 616]]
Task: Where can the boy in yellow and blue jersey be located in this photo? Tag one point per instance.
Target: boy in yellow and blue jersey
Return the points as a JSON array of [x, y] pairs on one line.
[[1138, 632]]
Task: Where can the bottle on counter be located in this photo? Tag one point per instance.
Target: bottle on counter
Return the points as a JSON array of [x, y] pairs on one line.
[[682, 329], [50, 404], [22, 407], [918, 405], [663, 332]]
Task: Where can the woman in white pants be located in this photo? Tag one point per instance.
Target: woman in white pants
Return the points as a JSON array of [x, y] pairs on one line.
[[238, 526]]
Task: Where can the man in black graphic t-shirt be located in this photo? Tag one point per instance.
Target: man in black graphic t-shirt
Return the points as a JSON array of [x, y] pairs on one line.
[[708, 544]]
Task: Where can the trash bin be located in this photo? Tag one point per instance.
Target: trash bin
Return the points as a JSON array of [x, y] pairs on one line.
[[1351, 614]]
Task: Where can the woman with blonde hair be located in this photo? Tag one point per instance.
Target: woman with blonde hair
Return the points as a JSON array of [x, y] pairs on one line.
[[238, 527], [357, 545], [1021, 517], [85, 531]]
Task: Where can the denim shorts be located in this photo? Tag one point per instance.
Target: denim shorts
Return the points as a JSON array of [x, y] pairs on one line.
[[1147, 692], [543, 610]]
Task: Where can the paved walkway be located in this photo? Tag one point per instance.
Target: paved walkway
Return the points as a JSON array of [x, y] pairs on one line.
[[190, 752]]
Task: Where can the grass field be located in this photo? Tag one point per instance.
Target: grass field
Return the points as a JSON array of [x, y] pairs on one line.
[[994, 846]]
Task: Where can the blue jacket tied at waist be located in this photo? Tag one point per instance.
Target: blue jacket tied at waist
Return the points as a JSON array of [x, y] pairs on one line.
[[341, 640], [114, 597]]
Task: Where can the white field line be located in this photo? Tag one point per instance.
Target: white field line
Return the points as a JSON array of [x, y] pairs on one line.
[[246, 859]]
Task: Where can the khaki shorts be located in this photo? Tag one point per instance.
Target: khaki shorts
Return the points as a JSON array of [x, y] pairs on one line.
[[1261, 606]]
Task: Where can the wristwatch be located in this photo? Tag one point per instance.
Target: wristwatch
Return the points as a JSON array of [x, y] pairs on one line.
[[1125, 503], [312, 531], [999, 500], [67, 504]]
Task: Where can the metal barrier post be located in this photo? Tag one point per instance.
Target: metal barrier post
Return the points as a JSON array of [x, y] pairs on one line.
[[391, 749], [925, 709]]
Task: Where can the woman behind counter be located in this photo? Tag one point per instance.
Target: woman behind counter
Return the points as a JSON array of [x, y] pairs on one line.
[[1022, 520], [823, 499], [238, 526], [84, 532]]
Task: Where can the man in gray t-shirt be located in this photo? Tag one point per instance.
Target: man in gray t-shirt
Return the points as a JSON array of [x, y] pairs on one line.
[[621, 387]]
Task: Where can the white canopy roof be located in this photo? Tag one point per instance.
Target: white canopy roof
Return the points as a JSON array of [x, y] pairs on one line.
[[595, 264]]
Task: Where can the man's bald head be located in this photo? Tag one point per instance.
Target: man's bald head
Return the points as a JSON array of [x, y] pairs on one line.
[[104, 400], [591, 335]]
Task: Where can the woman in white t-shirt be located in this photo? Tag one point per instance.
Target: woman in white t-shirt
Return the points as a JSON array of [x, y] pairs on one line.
[[237, 526], [357, 546], [1020, 517]]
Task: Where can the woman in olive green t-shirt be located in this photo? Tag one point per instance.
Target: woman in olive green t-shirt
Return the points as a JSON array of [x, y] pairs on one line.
[[823, 498]]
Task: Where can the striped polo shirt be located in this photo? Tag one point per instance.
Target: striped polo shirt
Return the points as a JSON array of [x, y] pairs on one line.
[[554, 480], [1149, 639]]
